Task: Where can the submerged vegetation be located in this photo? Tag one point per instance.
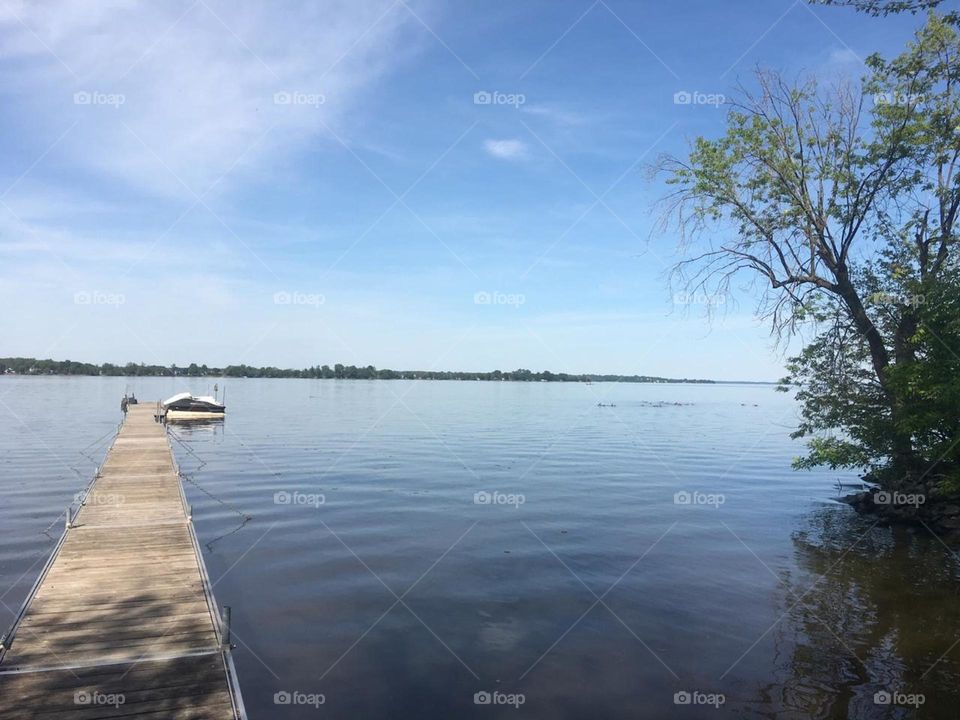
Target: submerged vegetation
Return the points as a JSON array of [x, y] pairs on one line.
[[32, 366]]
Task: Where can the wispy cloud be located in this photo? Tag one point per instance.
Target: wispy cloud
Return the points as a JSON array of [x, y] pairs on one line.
[[170, 96], [558, 115], [252, 98], [511, 149]]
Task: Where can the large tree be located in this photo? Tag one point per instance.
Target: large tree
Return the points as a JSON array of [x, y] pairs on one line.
[[840, 204]]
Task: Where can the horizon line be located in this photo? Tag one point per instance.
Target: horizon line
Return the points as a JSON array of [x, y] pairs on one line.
[[321, 372]]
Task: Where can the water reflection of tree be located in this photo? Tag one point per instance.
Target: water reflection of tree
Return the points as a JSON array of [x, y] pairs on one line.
[[869, 609]]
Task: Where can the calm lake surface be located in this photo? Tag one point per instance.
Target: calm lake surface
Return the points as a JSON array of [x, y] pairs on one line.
[[342, 522]]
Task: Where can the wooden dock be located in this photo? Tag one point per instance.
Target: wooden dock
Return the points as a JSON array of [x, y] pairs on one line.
[[122, 621]]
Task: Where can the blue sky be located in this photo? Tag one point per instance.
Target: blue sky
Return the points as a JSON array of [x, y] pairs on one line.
[[192, 181]]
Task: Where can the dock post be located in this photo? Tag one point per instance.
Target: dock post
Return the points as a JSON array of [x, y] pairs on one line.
[[225, 638], [69, 518]]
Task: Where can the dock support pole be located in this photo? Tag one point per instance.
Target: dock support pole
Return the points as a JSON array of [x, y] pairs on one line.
[[225, 617], [69, 518]]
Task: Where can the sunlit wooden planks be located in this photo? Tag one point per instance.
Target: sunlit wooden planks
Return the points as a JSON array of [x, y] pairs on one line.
[[122, 621]]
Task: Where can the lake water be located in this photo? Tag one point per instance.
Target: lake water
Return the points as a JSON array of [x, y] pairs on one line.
[[399, 547]]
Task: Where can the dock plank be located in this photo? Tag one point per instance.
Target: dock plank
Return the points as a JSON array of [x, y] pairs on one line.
[[123, 608]]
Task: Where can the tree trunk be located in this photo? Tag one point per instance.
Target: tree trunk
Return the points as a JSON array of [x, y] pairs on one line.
[[904, 354], [903, 456]]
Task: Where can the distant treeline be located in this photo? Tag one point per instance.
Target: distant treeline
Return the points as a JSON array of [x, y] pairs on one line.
[[32, 366]]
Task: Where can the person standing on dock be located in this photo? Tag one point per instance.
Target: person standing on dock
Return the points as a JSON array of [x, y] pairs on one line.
[[123, 405]]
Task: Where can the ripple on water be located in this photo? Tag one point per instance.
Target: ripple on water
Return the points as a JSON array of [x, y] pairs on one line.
[[510, 591]]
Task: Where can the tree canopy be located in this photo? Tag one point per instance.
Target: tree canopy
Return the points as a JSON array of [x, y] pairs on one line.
[[885, 7], [32, 366], [839, 205]]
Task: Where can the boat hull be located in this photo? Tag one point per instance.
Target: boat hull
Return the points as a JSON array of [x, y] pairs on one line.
[[195, 415], [189, 407]]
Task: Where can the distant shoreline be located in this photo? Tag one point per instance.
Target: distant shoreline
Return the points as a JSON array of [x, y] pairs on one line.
[[32, 367]]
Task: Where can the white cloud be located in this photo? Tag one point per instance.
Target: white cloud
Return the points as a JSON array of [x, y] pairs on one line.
[[841, 64], [558, 115], [844, 57], [506, 149], [198, 81]]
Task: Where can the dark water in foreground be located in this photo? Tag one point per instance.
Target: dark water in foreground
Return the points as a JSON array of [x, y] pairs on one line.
[[597, 596]]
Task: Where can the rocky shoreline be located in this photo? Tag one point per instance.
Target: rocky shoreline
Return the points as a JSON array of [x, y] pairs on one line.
[[926, 506]]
